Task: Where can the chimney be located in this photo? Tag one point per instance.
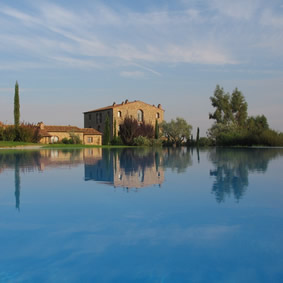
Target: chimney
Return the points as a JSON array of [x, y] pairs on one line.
[[114, 103], [159, 106], [126, 101], [41, 125]]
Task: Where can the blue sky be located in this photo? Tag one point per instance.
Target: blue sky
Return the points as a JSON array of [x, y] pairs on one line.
[[74, 56]]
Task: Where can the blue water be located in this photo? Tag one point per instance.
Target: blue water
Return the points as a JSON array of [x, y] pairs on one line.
[[140, 215]]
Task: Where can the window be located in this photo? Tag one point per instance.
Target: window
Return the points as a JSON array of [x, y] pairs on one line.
[[100, 117], [98, 128], [90, 139], [140, 115], [97, 121], [89, 116], [119, 114], [54, 139], [157, 115]]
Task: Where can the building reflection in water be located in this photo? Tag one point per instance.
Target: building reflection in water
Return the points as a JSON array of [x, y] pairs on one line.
[[127, 168], [40, 160], [143, 167]]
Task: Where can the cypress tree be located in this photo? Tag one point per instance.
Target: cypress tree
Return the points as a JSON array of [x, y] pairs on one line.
[[106, 135], [198, 136], [115, 134], [156, 130], [16, 107]]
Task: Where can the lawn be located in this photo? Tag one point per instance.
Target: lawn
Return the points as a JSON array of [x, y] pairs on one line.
[[13, 144], [60, 145]]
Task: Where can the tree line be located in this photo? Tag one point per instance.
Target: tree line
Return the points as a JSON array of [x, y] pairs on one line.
[[232, 127]]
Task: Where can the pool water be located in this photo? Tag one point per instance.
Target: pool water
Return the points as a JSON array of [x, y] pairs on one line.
[[141, 215]]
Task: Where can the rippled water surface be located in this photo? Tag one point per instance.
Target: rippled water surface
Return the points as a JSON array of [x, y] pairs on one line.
[[140, 215]]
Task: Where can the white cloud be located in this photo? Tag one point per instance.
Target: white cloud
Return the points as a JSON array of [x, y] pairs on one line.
[[155, 37], [202, 54], [23, 17], [240, 9], [270, 19], [77, 63], [132, 74]]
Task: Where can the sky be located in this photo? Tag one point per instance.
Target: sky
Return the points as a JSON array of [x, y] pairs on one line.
[[73, 56]]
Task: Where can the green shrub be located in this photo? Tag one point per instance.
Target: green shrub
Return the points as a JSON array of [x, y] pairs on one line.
[[65, 140], [74, 139], [266, 137], [142, 141], [1, 133], [116, 141], [156, 142], [203, 141], [9, 133]]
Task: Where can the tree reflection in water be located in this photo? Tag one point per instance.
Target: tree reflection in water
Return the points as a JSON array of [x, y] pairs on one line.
[[232, 168], [137, 167], [177, 159], [142, 167]]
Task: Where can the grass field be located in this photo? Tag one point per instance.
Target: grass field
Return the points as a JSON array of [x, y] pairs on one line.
[[21, 144], [81, 146], [15, 144]]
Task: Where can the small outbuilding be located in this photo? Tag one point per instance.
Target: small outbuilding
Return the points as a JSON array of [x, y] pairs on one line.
[[54, 134]]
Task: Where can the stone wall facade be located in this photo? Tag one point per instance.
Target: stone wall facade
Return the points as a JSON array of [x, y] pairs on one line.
[[53, 134], [139, 110]]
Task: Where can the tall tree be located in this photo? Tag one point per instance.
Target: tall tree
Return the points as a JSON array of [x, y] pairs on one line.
[[239, 108], [106, 134], [177, 131], [156, 135], [198, 136], [115, 130], [257, 124], [221, 101], [16, 106]]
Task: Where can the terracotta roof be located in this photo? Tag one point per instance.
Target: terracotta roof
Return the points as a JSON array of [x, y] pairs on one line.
[[121, 104], [62, 129], [87, 131], [44, 133], [90, 131]]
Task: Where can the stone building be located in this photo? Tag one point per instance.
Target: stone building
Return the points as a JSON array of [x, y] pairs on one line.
[[139, 110], [53, 134]]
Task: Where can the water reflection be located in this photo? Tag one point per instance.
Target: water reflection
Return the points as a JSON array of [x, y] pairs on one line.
[[142, 167], [177, 159], [232, 167], [17, 184], [128, 168], [137, 168]]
